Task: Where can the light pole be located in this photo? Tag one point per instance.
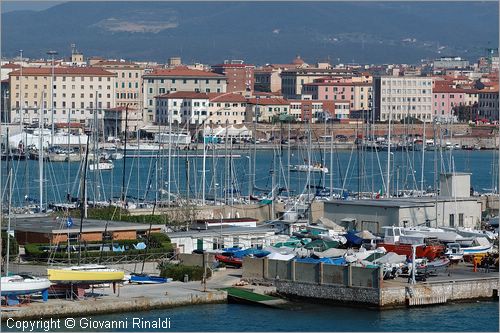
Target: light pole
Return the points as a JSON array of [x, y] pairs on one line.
[[52, 54]]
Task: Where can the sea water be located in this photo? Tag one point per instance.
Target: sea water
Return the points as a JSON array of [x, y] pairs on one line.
[[461, 317]]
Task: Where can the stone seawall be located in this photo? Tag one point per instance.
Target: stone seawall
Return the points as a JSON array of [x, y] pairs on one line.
[[329, 293]]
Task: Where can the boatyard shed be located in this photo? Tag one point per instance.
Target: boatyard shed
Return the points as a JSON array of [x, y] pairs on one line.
[[224, 237], [454, 207], [47, 229]]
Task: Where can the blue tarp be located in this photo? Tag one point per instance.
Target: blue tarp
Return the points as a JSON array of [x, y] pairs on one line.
[[255, 252], [352, 239], [329, 261]]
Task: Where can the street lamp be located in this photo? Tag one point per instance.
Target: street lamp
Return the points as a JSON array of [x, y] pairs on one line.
[[52, 54]]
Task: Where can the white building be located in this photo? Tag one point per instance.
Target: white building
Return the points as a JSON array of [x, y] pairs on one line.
[[453, 208], [77, 93], [399, 97]]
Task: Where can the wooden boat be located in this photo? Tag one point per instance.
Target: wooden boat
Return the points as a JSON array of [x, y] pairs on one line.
[[146, 279], [91, 274], [395, 241], [229, 261]]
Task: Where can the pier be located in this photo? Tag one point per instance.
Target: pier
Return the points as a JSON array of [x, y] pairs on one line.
[[358, 286]]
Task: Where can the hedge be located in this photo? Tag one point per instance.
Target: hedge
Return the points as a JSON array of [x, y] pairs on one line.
[[36, 250], [119, 214], [177, 272]]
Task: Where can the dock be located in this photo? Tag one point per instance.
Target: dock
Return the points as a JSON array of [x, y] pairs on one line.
[[128, 298], [360, 286], [239, 295]]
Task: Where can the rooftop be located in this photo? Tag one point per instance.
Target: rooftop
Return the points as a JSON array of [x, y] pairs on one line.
[[183, 72], [60, 71], [48, 224], [262, 230], [268, 101]]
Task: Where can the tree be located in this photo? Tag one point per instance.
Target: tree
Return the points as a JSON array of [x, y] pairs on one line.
[[465, 113], [14, 247]]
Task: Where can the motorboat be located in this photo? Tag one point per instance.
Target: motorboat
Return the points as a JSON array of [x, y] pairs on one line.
[[396, 241], [308, 168], [229, 260], [454, 252], [116, 156], [103, 165], [442, 235], [475, 245]]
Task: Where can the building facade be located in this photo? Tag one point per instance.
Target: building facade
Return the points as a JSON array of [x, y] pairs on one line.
[[399, 97], [163, 81], [240, 76], [488, 105], [78, 92]]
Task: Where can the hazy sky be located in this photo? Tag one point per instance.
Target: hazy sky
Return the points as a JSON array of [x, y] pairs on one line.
[[11, 5]]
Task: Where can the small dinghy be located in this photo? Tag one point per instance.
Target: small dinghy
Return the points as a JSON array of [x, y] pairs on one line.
[[147, 279]]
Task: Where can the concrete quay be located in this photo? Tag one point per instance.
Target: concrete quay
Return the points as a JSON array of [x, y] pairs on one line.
[[358, 286], [128, 298]]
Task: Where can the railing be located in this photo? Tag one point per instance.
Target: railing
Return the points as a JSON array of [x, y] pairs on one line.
[[107, 260]]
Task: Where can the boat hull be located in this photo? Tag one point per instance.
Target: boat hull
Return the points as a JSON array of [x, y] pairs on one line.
[[11, 288], [67, 276], [430, 252]]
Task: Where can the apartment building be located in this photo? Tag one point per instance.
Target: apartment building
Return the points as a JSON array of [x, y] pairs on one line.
[[318, 110], [240, 76], [119, 119], [399, 97], [292, 80], [266, 109], [197, 108], [128, 85], [488, 104], [164, 81], [77, 93]]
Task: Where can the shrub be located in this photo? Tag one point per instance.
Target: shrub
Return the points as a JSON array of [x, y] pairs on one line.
[[177, 272]]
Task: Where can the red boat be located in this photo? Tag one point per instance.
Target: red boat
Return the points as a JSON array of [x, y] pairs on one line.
[[229, 261], [426, 247]]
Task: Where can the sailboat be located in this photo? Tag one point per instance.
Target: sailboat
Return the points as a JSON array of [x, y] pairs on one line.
[[12, 286], [84, 274]]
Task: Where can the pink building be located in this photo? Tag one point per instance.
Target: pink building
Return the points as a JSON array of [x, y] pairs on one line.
[[332, 89], [444, 100]]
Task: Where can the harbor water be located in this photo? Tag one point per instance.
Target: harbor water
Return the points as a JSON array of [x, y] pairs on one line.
[[460, 317], [147, 178]]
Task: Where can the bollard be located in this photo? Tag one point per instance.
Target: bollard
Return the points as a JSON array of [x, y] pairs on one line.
[[186, 278]]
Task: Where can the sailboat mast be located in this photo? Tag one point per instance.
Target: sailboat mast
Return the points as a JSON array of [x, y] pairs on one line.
[[40, 159], [83, 203], [10, 205], [423, 162], [388, 183], [124, 157]]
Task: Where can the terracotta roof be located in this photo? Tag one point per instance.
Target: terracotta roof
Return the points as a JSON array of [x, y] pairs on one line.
[[184, 94], [233, 65], [268, 101], [70, 125], [232, 97], [11, 65], [183, 72], [61, 71]]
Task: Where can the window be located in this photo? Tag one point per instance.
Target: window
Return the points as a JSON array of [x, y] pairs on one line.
[[452, 220], [461, 219]]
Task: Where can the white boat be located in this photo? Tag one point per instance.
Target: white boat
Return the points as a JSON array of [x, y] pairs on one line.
[[101, 166], [454, 252], [16, 285], [469, 232], [442, 235], [476, 245], [91, 274], [116, 156], [308, 168]]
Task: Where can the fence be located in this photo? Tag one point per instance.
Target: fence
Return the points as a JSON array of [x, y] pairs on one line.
[[255, 269], [116, 259]]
